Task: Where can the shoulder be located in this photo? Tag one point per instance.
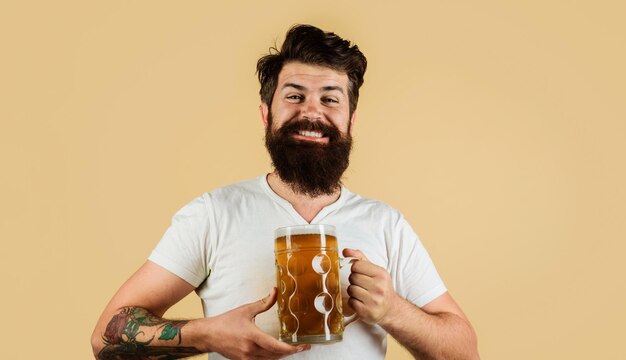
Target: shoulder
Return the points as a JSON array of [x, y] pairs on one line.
[[226, 194], [250, 187], [362, 206]]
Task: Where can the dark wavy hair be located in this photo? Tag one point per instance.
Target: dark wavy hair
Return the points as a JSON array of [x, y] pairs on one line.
[[310, 45]]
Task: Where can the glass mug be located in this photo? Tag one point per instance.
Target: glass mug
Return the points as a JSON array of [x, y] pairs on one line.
[[307, 277]]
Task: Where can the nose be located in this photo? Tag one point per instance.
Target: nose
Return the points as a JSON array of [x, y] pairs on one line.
[[311, 110]]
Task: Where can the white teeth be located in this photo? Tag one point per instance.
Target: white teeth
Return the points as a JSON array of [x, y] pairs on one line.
[[315, 134]]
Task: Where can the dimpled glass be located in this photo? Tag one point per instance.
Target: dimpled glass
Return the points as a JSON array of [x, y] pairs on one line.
[[307, 277]]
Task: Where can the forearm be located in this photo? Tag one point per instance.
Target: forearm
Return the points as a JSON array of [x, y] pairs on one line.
[[134, 332], [430, 336]]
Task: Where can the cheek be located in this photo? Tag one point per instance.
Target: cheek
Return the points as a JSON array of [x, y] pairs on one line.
[[341, 119], [282, 113]]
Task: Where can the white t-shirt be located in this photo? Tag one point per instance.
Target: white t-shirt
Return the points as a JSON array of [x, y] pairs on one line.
[[223, 244]]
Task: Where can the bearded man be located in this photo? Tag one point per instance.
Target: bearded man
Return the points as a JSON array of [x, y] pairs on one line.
[[221, 244]]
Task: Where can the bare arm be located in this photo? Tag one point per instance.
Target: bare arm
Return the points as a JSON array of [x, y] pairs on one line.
[[434, 334], [440, 330], [132, 324]]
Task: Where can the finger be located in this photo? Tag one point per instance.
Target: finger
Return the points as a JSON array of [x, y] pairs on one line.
[[265, 354], [358, 293], [354, 253], [357, 305], [364, 281], [367, 268], [270, 344], [261, 353], [262, 305], [299, 348], [362, 310]]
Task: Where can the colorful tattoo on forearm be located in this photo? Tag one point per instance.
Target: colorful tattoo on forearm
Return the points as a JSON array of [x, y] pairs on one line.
[[124, 331]]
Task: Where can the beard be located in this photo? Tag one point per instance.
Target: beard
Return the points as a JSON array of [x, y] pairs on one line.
[[310, 168]]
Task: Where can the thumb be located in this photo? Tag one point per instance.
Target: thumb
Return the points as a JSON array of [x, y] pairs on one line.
[[354, 253], [264, 304]]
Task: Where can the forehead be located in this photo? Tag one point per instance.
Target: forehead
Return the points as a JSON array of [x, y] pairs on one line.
[[311, 76]]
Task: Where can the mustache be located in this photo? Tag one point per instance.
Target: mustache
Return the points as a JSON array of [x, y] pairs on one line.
[[296, 125]]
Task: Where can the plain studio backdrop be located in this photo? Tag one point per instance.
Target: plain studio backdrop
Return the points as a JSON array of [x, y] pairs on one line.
[[497, 128]]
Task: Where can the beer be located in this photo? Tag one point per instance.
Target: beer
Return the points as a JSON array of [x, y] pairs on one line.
[[307, 277]]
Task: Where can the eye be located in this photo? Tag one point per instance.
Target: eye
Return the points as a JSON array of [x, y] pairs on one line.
[[330, 100], [295, 98]]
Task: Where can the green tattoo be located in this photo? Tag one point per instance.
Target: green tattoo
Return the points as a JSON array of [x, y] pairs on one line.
[[121, 337], [170, 331]]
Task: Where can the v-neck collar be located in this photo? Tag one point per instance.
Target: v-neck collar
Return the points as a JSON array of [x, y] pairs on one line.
[[290, 209]]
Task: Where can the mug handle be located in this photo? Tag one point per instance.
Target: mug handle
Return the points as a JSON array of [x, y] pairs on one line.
[[343, 262]]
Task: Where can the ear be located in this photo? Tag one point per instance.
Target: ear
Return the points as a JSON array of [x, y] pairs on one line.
[[352, 121], [264, 113]]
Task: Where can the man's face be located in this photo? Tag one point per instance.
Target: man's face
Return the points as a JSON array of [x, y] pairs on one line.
[[308, 128]]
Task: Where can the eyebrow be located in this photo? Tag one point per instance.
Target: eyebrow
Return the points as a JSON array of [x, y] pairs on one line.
[[325, 88]]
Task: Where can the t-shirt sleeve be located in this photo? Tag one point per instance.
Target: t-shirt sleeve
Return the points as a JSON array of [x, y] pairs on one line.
[[414, 273], [184, 248]]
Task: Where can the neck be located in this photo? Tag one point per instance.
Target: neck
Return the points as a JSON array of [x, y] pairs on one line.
[[307, 206]]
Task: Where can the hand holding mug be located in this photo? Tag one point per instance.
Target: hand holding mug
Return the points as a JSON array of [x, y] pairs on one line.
[[235, 335], [371, 291]]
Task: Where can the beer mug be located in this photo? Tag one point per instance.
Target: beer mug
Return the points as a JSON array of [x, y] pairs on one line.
[[307, 277]]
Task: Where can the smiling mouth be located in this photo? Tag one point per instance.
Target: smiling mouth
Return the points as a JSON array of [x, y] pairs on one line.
[[314, 136]]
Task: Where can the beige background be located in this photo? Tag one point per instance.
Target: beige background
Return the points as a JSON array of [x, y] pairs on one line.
[[496, 127]]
